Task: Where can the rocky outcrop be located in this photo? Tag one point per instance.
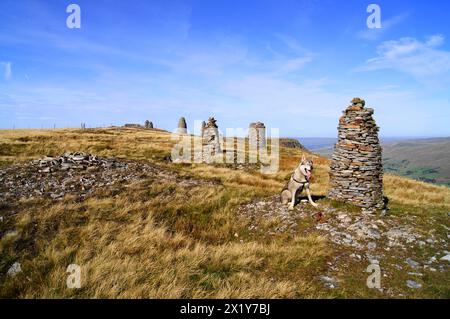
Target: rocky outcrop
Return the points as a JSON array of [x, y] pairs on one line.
[[291, 143], [356, 172]]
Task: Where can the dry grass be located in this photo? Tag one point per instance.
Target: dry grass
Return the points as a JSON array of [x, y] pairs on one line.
[[130, 247], [155, 239]]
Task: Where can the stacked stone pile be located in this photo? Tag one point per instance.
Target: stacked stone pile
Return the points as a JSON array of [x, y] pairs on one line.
[[356, 172], [257, 135], [148, 124], [211, 140], [182, 126]]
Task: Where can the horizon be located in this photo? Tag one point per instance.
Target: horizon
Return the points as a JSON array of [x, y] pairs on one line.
[[192, 133], [162, 60]]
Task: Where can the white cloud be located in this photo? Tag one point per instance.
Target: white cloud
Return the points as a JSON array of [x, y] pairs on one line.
[[435, 40], [423, 60], [8, 70]]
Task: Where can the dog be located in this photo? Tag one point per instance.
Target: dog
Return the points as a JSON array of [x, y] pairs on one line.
[[300, 179]]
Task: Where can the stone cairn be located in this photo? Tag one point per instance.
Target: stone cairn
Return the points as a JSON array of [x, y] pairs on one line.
[[356, 171], [148, 124], [182, 126], [211, 140], [257, 135]]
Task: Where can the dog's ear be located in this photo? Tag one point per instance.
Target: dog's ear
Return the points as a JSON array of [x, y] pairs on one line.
[[303, 159]]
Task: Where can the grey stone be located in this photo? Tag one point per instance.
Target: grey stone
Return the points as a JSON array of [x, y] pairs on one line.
[[413, 285], [329, 282], [412, 263], [14, 269]]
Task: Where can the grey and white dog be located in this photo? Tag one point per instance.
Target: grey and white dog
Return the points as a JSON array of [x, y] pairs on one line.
[[299, 179]]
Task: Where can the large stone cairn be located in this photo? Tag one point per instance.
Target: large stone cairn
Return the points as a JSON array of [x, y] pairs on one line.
[[356, 171], [257, 135], [182, 126], [211, 140]]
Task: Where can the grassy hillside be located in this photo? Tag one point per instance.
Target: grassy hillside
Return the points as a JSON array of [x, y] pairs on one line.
[[423, 159], [197, 230]]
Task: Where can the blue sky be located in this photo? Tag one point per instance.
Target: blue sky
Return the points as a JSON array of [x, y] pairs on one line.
[[294, 65]]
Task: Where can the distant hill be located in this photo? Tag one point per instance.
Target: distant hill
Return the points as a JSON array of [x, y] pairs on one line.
[[426, 159], [423, 159], [317, 143]]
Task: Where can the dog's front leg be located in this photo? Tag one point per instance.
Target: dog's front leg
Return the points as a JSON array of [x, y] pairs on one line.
[[294, 196], [309, 196]]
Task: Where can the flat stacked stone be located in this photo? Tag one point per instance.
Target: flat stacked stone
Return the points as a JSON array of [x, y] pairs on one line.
[[356, 171], [211, 141], [257, 135]]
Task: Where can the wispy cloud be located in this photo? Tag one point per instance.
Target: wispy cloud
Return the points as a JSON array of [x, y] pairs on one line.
[[421, 59], [7, 70], [386, 25]]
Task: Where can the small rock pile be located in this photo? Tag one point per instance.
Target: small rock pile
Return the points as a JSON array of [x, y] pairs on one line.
[[133, 125], [79, 174], [72, 173], [75, 161], [356, 172]]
